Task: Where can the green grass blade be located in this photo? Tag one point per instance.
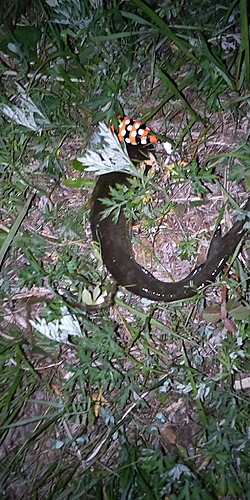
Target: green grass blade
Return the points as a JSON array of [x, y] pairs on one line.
[[219, 65], [245, 48], [164, 28], [148, 116], [9, 238], [176, 92], [198, 401]]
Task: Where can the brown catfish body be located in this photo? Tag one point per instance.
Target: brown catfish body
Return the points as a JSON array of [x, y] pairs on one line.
[[117, 252]]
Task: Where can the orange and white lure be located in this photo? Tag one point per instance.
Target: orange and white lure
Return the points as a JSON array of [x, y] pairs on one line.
[[135, 132]]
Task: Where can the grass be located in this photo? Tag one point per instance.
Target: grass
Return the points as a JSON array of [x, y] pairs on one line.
[[139, 400]]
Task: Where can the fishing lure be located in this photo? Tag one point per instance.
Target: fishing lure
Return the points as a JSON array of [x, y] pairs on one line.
[[115, 238], [134, 132]]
